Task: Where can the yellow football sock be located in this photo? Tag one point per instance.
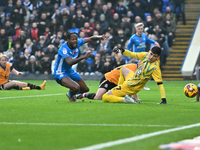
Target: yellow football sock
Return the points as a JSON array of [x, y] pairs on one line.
[[112, 99], [121, 77]]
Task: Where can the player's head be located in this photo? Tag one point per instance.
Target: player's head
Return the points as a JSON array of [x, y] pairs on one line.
[[154, 54], [72, 39], [139, 29], [3, 60]]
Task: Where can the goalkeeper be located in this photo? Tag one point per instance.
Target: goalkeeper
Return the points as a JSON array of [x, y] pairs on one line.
[[148, 68]]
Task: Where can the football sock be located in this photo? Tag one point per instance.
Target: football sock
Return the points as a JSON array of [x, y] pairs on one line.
[[112, 99], [121, 77], [89, 95], [17, 87], [32, 86], [70, 94]]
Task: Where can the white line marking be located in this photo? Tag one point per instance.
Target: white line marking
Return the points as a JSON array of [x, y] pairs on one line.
[[136, 138], [31, 96], [82, 124]]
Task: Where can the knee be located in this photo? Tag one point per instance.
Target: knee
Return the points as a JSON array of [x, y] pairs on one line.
[[86, 89], [105, 97], [75, 88]]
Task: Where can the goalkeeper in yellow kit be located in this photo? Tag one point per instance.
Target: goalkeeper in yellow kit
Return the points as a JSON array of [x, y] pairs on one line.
[[148, 68]]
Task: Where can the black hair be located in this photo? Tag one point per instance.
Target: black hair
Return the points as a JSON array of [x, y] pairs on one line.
[[70, 33], [156, 50]]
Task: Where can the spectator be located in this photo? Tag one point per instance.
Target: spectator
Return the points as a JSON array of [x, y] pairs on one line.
[[46, 8], [8, 8], [54, 26], [17, 47], [46, 65], [29, 45], [131, 16], [149, 23], [127, 25], [94, 44], [119, 60], [115, 22], [121, 38], [21, 38], [82, 67], [10, 57], [37, 4], [27, 54], [79, 18], [98, 28], [34, 31], [137, 9], [97, 66], [159, 20], [106, 12], [104, 48], [66, 18], [120, 9], [168, 11], [152, 4], [3, 39], [32, 66], [171, 29], [43, 23], [39, 55], [93, 18], [18, 13], [51, 51], [85, 9], [28, 4], [10, 43], [103, 23], [181, 6], [98, 5], [108, 64], [20, 62], [8, 28], [110, 39], [87, 29], [41, 45], [63, 5]]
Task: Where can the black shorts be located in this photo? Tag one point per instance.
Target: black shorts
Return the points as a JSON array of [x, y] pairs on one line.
[[2, 86], [104, 83]]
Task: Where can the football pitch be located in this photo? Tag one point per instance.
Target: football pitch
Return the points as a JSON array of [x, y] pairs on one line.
[[46, 120]]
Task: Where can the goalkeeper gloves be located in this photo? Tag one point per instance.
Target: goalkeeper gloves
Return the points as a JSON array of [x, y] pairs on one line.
[[118, 49]]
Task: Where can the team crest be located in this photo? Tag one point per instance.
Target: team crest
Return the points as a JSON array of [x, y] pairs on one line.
[[64, 51], [74, 52], [141, 40], [106, 86]]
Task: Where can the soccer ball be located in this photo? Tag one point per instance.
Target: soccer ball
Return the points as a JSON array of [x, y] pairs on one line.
[[190, 90]]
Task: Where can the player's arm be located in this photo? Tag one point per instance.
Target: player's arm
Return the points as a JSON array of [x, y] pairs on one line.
[[130, 44], [158, 79], [95, 38], [71, 61], [198, 93], [18, 73]]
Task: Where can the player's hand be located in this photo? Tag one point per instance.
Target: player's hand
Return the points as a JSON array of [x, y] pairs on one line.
[[157, 44], [103, 37], [118, 49], [88, 54]]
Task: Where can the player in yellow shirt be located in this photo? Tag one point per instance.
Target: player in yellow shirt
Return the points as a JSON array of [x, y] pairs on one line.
[[148, 68], [109, 81], [5, 84]]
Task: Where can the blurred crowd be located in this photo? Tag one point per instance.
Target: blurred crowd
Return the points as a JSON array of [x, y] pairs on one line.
[[31, 31]]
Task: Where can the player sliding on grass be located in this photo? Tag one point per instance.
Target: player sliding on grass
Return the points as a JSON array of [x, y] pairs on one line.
[[68, 56], [5, 84], [109, 81], [148, 68]]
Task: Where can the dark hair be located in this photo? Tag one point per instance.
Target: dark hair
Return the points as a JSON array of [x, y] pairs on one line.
[[156, 50], [70, 33]]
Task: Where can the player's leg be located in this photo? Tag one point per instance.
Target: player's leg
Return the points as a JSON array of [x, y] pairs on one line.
[[29, 86], [10, 85], [83, 87], [123, 74], [119, 94]]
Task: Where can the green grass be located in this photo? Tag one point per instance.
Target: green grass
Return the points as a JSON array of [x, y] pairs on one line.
[[70, 131]]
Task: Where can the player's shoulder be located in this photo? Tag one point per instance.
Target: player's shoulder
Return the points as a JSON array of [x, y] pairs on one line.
[[8, 64]]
